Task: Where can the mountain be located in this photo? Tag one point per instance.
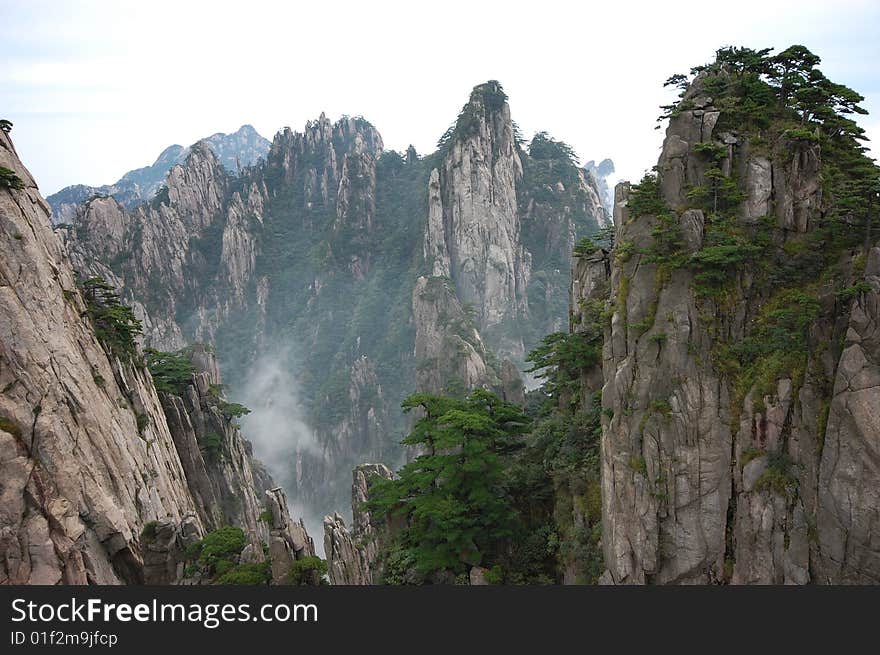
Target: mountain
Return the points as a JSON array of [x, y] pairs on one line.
[[687, 396], [739, 365], [112, 475], [349, 276], [235, 151], [711, 414], [741, 360]]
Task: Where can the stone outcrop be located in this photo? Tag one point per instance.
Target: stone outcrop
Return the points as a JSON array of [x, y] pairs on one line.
[[849, 471], [473, 232], [704, 481], [600, 173], [288, 540], [449, 351], [216, 459], [351, 554], [315, 157], [666, 457]]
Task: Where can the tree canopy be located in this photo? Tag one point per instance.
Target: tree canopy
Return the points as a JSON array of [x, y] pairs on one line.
[[452, 497]]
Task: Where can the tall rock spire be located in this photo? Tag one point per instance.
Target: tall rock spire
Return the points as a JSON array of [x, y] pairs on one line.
[[473, 232]]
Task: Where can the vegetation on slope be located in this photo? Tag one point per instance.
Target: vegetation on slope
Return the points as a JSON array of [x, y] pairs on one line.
[[114, 322], [785, 107], [514, 493]]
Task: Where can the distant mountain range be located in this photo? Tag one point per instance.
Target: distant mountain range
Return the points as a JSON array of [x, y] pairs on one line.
[[234, 151]]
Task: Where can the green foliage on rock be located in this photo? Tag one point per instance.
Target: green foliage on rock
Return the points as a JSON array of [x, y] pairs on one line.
[[556, 483], [172, 372], [250, 573], [217, 553], [149, 532], [233, 410], [560, 358], [308, 571], [9, 180], [452, 497], [486, 99], [217, 557], [586, 246], [11, 427], [212, 445], [779, 477], [644, 197], [782, 107], [115, 324]]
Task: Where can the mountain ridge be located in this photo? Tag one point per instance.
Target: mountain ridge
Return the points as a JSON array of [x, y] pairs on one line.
[[321, 247], [236, 150]]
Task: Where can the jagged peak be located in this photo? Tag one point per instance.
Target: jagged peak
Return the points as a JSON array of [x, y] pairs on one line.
[[487, 106], [197, 155], [544, 146], [603, 169], [352, 133], [490, 94], [95, 200]]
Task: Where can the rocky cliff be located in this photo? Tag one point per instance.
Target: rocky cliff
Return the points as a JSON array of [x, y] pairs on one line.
[[740, 360], [473, 232], [183, 259], [83, 471], [352, 554], [104, 480], [216, 459]]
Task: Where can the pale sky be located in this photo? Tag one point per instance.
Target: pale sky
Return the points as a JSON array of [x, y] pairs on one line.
[[96, 88]]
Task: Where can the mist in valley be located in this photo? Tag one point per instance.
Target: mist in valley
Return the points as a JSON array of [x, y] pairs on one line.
[[278, 430]]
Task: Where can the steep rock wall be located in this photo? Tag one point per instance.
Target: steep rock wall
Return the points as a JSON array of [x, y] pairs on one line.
[[104, 481], [473, 233], [713, 472], [80, 479]]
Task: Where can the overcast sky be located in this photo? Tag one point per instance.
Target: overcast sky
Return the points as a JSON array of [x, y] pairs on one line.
[[96, 88]]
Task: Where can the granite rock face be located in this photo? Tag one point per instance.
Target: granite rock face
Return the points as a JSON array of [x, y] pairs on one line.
[[351, 554], [849, 471], [449, 351], [80, 479], [702, 481], [473, 233], [105, 481], [220, 475], [288, 540], [151, 256]]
